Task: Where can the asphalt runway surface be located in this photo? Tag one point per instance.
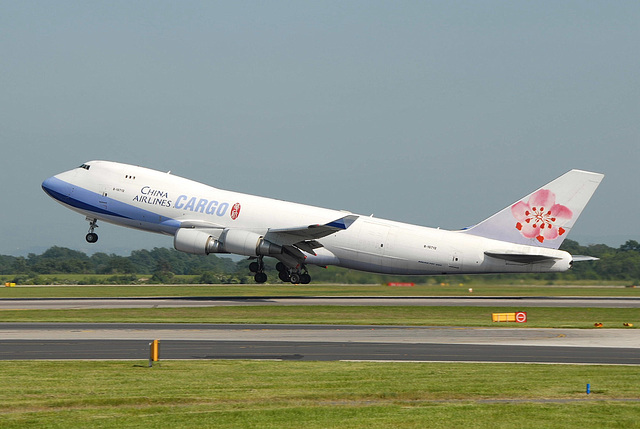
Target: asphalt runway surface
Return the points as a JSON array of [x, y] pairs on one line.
[[318, 342], [166, 302]]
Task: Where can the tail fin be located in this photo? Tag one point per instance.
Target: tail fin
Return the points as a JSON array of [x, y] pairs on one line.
[[544, 217]]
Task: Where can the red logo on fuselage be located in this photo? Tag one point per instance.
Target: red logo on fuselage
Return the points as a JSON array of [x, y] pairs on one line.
[[235, 211]]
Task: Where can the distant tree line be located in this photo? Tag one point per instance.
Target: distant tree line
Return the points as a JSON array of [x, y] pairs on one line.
[[161, 265], [60, 260]]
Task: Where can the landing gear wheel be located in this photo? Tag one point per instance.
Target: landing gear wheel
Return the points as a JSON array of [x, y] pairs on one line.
[[257, 267], [92, 237], [284, 276], [305, 279], [295, 278], [282, 268]]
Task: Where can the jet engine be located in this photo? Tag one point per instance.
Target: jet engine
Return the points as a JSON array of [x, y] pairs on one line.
[[235, 241]]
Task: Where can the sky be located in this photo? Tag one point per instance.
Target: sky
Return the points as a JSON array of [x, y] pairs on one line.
[[438, 113]]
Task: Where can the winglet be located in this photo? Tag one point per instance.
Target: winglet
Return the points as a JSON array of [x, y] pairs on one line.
[[342, 223]]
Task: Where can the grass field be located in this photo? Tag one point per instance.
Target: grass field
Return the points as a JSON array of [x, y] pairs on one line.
[[252, 394], [389, 315], [538, 317], [288, 394]]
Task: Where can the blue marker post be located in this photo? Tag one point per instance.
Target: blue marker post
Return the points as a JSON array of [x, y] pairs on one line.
[[588, 388]]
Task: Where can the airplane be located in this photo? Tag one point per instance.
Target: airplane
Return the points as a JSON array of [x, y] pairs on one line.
[[524, 237]]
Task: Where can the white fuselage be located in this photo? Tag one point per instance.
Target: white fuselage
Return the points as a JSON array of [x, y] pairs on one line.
[[160, 202]]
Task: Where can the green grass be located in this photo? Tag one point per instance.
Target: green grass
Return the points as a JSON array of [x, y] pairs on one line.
[[259, 394], [538, 317], [315, 290], [392, 315]]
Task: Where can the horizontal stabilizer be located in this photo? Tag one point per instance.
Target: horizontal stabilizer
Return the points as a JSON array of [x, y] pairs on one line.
[[583, 258], [522, 258]]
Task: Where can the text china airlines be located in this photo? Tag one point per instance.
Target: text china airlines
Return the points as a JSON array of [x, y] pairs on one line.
[[158, 197]]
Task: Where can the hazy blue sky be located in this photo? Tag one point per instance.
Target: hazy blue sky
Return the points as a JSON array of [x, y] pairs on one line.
[[436, 113]]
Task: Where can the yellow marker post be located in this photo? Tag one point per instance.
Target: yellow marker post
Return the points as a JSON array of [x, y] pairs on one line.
[[154, 355], [518, 317], [503, 317]]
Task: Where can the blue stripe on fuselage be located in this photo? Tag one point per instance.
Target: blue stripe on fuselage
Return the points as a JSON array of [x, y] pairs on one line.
[[56, 189], [89, 201]]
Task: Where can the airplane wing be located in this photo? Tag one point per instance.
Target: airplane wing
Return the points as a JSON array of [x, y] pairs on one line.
[[304, 238], [292, 235], [288, 245]]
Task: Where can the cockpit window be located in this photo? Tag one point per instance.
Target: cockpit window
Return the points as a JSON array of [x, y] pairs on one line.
[[85, 166]]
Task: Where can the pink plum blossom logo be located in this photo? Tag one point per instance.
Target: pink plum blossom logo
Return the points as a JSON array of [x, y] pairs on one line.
[[235, 211], [541, 218]]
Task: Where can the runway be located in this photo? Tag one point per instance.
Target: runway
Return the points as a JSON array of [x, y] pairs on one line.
[[318, 342], [167, 302]]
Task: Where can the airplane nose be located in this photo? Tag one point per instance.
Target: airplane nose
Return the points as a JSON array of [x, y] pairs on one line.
[[48, 185], [56, 188]]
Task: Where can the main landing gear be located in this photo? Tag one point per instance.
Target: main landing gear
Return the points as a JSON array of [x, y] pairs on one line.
[[257, 267], [294, 276], [92, 237], [285, 274]]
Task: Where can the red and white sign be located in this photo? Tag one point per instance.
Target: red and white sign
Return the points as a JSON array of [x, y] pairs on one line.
[[521, 316], [235, 211]]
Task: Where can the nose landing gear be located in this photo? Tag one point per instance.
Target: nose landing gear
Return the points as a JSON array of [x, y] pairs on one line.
[[92, 237]]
